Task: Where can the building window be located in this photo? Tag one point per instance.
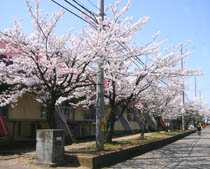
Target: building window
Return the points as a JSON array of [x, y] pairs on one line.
[[43, 113], [90, 113], [65, 110]]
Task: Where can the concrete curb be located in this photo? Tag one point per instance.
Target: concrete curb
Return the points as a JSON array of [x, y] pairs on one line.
[[99, 161]]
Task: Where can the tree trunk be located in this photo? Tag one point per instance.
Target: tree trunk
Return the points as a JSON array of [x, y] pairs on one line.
[[158, 124], [50, 110], [143, 130], [110, 127]]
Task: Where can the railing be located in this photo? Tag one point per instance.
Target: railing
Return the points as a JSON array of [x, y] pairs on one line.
[[67, 111]]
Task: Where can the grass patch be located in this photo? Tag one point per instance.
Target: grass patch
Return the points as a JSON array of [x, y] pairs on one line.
[[145, 138], [30, 162], [116, 143], [123, 143], [160, 135]]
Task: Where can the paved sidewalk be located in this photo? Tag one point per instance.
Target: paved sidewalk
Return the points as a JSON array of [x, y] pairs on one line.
[[190, 152]]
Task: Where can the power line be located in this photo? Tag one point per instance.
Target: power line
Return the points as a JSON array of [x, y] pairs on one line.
[[92, 4], [92, 24], [84, 8]]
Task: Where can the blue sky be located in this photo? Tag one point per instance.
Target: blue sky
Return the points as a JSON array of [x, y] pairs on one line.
[[177, 20]]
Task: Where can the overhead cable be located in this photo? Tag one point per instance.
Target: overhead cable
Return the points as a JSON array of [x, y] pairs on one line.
[[75, 14], [84, 8]]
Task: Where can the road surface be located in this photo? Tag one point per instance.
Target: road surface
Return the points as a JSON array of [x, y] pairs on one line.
[[190, 152]]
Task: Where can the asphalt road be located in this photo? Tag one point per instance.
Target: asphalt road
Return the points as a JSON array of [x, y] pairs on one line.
[[191, 152]]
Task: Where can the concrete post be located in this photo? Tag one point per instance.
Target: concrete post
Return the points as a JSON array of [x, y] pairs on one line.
[[50, 146]]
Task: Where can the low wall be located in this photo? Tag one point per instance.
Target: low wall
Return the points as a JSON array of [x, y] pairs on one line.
[[99, 161]]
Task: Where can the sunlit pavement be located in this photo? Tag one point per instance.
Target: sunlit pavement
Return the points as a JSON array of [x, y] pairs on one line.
[[190, 152]]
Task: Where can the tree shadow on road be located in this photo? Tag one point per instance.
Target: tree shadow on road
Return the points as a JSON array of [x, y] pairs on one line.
[[188, 153]]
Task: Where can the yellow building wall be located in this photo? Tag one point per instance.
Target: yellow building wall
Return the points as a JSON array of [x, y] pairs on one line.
[[24, 129], [78, 113], [118, 126], [26, 108], [134, 125]]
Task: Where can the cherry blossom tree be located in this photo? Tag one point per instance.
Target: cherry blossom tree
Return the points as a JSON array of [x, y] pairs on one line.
[[47, 66], [113, 45], [129, 69], [198, 109]]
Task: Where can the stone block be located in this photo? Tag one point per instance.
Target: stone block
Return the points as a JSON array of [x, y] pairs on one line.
[[50, 146]]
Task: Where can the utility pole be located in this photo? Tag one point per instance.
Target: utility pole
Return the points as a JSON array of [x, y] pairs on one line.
[[195, 87], [100, 72], [200, 98], [100, 95], [183, 101]]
